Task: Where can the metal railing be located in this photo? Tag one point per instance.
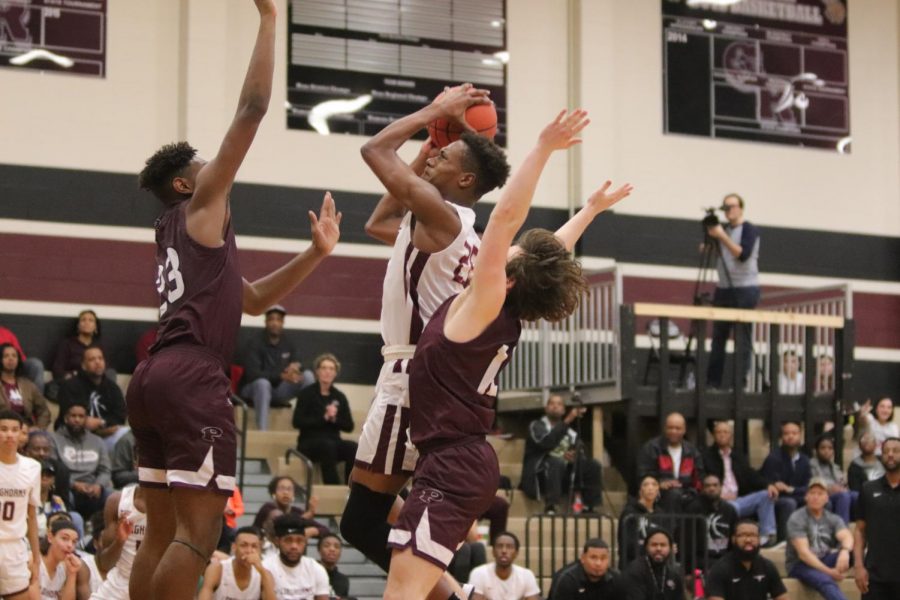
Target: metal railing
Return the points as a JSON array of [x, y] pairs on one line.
[[306, 463], [836, 301], [582, 348], [553, 541], [237, 401]]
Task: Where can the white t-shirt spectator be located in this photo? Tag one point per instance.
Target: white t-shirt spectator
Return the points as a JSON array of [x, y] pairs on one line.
[[882, 432], [303, 582], [520, 584]]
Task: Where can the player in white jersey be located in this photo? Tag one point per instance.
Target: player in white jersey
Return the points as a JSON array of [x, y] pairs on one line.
[[126, 524], [241, 577], [427, 217], [20, 495], [60, 565], [297, 577]]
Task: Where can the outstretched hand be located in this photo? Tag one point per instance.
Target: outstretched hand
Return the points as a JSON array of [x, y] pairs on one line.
[[602, 199], [266, 7], [326, 229], [562, 132], [456, 100]]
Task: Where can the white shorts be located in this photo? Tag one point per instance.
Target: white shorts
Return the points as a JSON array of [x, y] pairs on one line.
[[384, 445], [14, 572]]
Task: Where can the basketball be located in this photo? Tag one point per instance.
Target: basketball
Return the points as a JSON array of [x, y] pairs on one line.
[[481, 117]]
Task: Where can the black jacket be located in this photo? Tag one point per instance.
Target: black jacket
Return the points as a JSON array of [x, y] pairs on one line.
[[263, 360], [309, 414], [572, 583], [632, 530], [714, 534], [104, 400], [749, 480], [654, 459], [644, 585], [543, 437]]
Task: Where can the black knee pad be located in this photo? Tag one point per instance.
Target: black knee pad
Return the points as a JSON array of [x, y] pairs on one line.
[[364, 523]]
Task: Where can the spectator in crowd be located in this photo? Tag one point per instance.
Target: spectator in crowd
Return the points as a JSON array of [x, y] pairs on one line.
[[865, 467], [737, 268], [468, 556], [40, 447], [273, 373], [283, 490], [51, 502], [633, 530], [32, 367], [100, 395], [821, 466], [70, 351], [743, 574], [60, 565], [742, 486], [124, 462], [497, 515], [553, 461], [503, 580], [234, 508], [819, 544], [296, 575], [790, 379], [86, 458], [590, 576], [721, 519], [330, 547], [270, 541], [18, 393], [879, 422], [877, 535], [824, 373], [655, 575], [787, 468], [675, 463], [242, 575], [321, 414]]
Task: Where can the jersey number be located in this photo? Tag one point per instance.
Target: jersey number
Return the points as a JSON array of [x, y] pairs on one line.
[[8, 511], [167, 274], [488, 385], [463, 272]]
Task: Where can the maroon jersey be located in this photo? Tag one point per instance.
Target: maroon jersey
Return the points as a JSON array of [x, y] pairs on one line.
[[452, 386], [200, 288]]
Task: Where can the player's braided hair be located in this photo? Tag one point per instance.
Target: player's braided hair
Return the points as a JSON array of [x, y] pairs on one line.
[[487, 160], [548, 281], [169, 162]]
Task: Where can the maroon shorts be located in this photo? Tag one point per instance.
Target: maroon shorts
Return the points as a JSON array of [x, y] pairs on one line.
[[181, 415], [452, 487]]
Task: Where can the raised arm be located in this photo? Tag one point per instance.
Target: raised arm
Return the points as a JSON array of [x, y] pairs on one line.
[[385, 220], [270, 289], [481, 302], [114, 535], [208, 208], [598, 202], [401, 180]]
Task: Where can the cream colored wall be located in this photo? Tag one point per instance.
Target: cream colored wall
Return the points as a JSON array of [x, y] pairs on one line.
[[175, 69], [675, 175]]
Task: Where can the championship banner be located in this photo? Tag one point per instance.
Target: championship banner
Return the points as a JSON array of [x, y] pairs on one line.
[[355, 66], [68, 36], [760, 70]]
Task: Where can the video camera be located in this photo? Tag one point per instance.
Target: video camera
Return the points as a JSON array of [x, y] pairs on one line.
[[710, 219]]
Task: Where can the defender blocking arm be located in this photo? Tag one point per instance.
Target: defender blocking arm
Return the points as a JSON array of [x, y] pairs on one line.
[[207, 211], [268, 290], [599, 201]]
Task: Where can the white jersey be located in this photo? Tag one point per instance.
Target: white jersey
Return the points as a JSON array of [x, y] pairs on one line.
[[91, 561], [116, 585], [20, 486], [521, 583], [228, 588], [417, 283], [303, 582], [52, 586]]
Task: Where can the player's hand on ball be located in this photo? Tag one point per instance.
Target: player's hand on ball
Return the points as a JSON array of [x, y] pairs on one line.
[[326, 229], [603, 198], [454, 102], [563, 131], [266, 7]]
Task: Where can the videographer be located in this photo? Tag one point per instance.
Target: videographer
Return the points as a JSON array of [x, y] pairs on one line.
[[555, 461], [738, 287]]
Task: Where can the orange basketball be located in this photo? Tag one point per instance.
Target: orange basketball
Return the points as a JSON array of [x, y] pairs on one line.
[[481, 117]]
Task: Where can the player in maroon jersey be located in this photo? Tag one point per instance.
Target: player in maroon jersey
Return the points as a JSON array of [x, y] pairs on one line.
[[459, 355], [178, 399]]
